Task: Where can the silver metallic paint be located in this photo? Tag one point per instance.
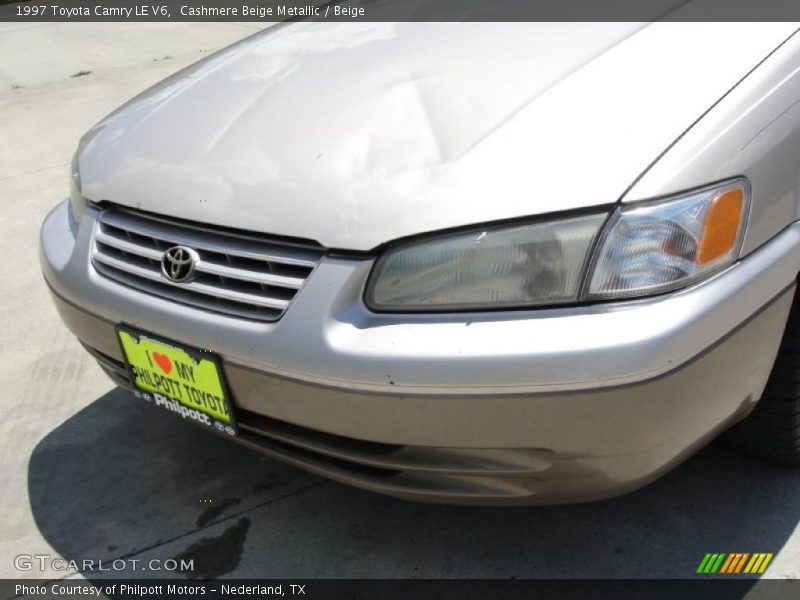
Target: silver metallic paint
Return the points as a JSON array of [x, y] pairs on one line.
[[353, 135], [753, 131], [329, 337], [534, 448]]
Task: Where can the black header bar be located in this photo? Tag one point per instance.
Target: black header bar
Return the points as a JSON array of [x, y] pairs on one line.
[[399, 10]]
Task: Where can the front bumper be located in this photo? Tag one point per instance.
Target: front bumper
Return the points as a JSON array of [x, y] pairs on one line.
[[528, 407]]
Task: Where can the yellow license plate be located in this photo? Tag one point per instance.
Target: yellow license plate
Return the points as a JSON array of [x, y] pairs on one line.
[[186, 382]]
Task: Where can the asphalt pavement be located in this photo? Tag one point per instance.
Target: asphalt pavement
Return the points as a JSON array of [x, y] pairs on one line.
[[89, 474]]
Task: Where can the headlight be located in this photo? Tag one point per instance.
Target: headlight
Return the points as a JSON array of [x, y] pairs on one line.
[[520, 265], [657, 247], [643, 249], [77, 202]]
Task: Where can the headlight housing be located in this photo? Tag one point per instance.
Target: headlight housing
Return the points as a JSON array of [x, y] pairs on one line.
[[518, 265], [643, 249], [76, 200], [661, 246]]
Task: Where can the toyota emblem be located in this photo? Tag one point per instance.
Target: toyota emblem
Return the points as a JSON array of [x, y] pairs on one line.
[[178, 264]]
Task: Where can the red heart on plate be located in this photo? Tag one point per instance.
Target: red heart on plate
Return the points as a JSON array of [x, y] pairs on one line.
[[163, 361]]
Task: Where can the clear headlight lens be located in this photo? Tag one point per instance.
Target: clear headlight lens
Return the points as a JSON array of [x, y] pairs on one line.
[[644, 249], [520, 265], [77, 202], [648, 249]]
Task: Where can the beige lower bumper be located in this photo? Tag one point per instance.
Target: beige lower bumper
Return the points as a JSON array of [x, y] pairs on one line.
[[494, 449]]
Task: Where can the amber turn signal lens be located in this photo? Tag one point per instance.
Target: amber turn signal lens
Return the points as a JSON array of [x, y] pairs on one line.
[[663, 245], [721, 225]]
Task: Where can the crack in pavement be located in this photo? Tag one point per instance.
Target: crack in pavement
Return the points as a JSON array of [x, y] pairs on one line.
[[51, 167]]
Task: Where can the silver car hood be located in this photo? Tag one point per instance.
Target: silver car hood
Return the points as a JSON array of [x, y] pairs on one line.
[[353, 135]]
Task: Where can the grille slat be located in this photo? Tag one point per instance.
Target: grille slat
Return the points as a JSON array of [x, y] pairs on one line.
[[248, 275], [194, 286], [237, 274], [127, 246], [207, 239]]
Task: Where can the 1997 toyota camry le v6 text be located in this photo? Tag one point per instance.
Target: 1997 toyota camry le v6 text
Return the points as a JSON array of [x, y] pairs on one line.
[[467, 263]]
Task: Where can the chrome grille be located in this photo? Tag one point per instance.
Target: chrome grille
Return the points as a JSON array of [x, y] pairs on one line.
[[237, 274]]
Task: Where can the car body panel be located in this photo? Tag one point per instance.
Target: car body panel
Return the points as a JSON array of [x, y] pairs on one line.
[[329, 337], [754, 131], [353, 135], [499, 447]]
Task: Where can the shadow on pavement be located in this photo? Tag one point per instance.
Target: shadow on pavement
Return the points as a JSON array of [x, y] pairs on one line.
[[119, 478]]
